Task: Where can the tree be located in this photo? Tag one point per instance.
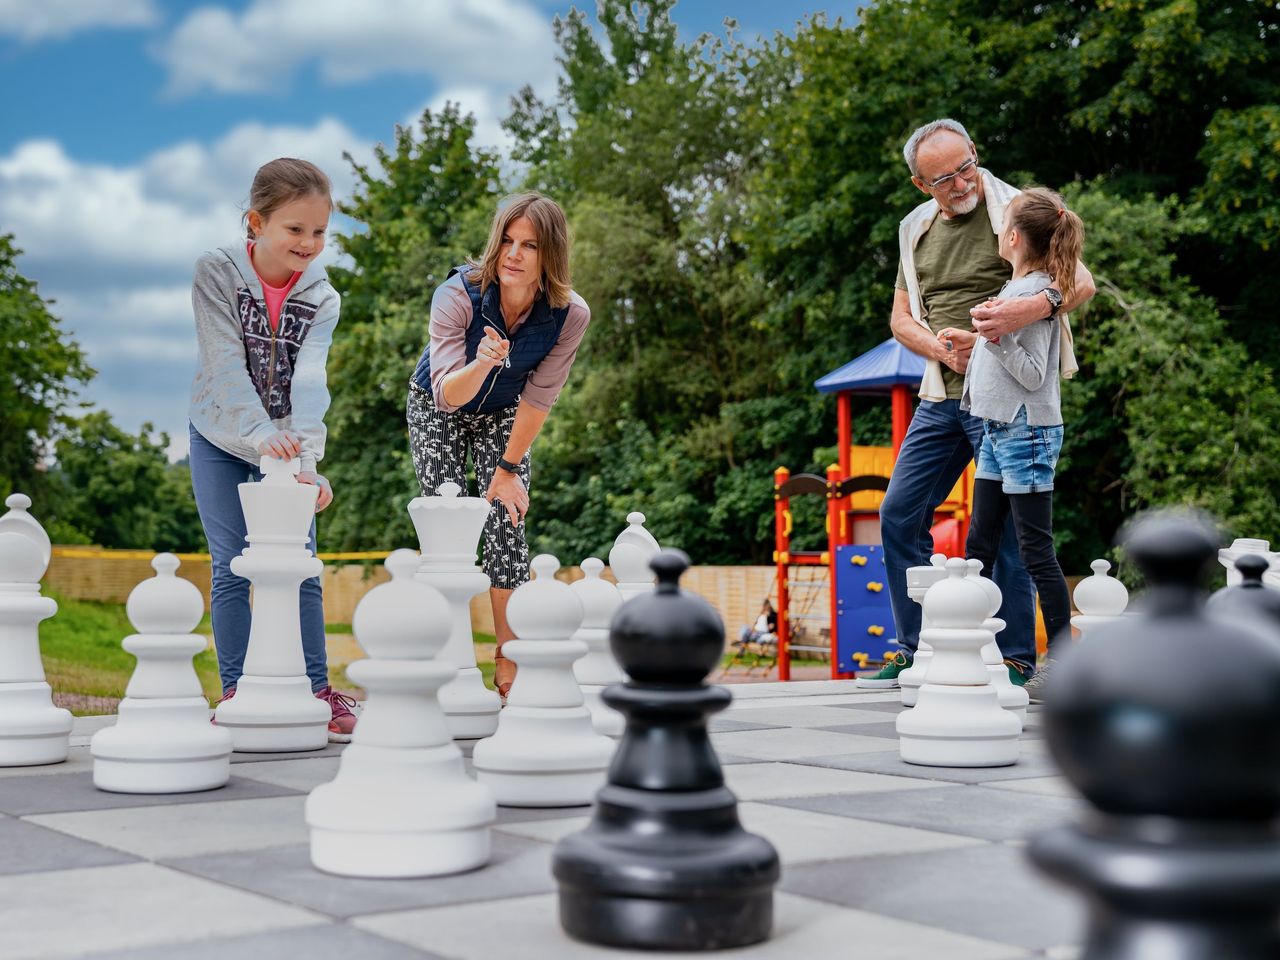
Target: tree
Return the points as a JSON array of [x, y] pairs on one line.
[[425, 209], [39, 369], [117, 489]]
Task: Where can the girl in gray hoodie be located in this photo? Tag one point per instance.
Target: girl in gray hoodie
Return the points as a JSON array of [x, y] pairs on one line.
[[265, 313]]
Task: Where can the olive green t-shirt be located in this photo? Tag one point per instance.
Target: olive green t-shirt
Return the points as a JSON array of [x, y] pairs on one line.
[[958, 264]]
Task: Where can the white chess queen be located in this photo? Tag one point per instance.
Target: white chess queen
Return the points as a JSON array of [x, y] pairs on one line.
[[503, 336]]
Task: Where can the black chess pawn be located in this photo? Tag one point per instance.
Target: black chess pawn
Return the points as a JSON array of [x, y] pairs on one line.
[[1250, 600], [1169, 725], [665, 863]]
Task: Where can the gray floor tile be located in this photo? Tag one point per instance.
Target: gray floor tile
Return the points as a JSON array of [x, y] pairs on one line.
[[970, 811], [331, 750], [75, 791], [884, 728], [29, 848], [880, 706], [988, 891], [1030, 765], [325, 941], [727, 725], [519, 866]]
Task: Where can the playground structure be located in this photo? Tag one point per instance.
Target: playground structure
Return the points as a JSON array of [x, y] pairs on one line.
[[858, 618]]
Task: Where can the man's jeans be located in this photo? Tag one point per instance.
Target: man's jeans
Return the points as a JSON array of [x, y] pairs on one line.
[[215, 477], [940, 442]]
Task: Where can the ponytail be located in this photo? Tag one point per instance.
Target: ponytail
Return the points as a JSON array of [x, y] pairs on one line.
[[1054, 234]]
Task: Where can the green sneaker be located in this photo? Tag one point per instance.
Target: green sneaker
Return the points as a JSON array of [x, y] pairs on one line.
[[887, 677], [1016, 675]]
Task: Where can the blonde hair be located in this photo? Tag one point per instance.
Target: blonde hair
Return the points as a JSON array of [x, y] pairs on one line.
[[282, 181], [1054, 234], [551, 231]]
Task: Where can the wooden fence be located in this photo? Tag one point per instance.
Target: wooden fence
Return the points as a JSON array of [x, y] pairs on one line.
[[93, 573]]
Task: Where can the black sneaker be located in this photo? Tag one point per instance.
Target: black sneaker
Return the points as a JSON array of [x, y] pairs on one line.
[[887, 677]]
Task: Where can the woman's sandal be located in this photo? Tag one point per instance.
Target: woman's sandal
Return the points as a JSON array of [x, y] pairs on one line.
[[504, 675]]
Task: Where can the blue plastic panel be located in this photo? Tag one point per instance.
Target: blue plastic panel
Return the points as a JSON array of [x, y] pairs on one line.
[[864, 616]]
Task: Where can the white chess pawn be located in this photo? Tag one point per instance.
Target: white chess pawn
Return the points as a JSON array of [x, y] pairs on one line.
[[629, 558], [1012, 697], [32, 730], [162, 741], [1099, 598], [402, 804], [546, 752], [274, 709], [1240, 547], [958, 720], [449, 528], [919, 580], [598, 669]]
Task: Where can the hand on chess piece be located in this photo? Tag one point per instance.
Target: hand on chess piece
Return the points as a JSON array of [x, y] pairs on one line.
[[282, 445], [326, 491]]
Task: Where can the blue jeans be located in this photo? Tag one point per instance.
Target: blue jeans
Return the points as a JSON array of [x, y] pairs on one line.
[[215, 477], [940, 442]]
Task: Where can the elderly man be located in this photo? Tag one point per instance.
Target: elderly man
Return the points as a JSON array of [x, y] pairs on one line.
[[949, 272]]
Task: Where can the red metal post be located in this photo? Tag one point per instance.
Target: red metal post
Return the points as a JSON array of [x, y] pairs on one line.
[[837, 520], [901, 400], [782, 559], [844, 431]]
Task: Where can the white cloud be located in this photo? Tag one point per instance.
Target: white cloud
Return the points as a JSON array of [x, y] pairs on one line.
[[498, 43], [33, 20]]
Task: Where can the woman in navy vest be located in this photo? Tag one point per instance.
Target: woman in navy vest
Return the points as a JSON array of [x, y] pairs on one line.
[[504, 333]]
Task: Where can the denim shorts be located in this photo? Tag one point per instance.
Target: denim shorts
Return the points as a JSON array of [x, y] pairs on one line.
[[1020, 456]]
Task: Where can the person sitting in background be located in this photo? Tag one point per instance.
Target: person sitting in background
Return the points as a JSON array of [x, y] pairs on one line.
[[765, 628]]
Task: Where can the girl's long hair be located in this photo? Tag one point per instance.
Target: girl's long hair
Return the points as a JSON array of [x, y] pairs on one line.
[[1054, 235]]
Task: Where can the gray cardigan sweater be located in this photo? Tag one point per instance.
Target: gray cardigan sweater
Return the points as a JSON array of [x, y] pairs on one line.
[[1020, 370], [251, 380]]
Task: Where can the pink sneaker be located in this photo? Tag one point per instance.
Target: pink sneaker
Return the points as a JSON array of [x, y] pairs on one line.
[[226, 696], [343, 723]]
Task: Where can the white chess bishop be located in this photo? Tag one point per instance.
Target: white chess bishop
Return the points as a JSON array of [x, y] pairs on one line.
[[274, 709], [1100, 598], [1012, 697], [449, 528], [32, 730], [958, 720], [162, 741], [629, 558], [402, 804], [546, 752], [919, 580], [598, 669]]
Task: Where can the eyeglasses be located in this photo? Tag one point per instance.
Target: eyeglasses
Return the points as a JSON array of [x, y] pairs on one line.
[[964, 170]]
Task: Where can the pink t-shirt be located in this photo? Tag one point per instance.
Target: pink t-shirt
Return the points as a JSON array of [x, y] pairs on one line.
[[274, 296]]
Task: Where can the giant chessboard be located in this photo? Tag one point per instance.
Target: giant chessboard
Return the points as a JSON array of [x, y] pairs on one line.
[[881, 860]]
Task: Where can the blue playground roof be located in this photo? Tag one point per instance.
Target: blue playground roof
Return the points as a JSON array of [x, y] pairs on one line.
[[876, 371]]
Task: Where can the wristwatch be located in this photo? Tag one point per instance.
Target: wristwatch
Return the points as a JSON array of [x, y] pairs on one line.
[[1055, 300], [507, 465]]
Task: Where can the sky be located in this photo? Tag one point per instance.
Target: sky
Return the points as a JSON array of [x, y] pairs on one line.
[[130, 131]]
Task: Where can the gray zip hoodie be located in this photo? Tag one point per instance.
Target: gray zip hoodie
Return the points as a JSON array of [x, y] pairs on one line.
[[251, 381]]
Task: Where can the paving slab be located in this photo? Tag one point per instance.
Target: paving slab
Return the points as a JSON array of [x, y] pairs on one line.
[[770, 781], [724, 724], [890, 762], [987, 891], [789, 744], [75, 791], [971, 811], [187, 829], [29, 848], [518, 866], [329, 940], [796, 715], [66, 913], [803, 928], [303, 775]]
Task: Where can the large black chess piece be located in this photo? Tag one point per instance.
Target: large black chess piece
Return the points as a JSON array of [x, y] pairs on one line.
[[1169, 724], [665, 864], [1250, 600]]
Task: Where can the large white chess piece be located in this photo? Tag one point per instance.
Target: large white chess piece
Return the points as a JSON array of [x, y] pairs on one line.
[[402, 804], [274, 709], [1012, 697], [919, 580], [958, 720], [162, 741], [598, 669], [546, 752], [449, 528], [629, 558], [1246, 546], [32, 730], [1099, 598]]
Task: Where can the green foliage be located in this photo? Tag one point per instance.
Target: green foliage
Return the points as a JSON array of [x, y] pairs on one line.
[[425, 209], [39, 369], [117, 489]]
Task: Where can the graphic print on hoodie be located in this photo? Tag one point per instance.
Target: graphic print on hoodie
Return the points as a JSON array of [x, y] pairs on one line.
[[271, 365]]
